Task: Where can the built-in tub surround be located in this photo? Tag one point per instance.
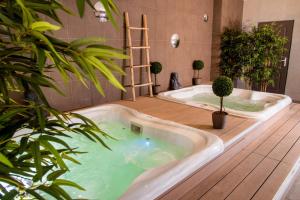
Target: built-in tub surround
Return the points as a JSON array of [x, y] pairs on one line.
[[153, 154], [244, 103]]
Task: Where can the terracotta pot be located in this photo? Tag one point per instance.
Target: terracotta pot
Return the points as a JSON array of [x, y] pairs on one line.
[[196, 81], [155, 89], [219, 119]]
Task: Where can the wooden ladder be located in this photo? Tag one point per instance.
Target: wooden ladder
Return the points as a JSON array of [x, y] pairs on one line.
[[146, 47]]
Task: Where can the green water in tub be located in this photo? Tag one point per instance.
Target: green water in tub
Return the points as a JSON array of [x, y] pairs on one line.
[[108, 174], [232, 102]]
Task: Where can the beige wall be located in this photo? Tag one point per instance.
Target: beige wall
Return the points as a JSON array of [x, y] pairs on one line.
[[277, 10], [226, 13], [165, 17]]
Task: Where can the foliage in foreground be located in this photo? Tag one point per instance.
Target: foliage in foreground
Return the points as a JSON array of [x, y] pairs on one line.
[[32, 163]]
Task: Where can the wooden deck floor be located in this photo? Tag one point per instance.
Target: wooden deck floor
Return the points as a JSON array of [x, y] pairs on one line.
[[252, 168], [188, 115]]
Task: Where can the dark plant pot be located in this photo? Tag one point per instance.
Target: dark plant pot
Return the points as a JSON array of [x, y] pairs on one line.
[[219, 119], [155, 89], [196, 81]]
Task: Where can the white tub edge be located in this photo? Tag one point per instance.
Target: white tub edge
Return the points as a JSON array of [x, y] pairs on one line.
[[181, 168], [262, 115]]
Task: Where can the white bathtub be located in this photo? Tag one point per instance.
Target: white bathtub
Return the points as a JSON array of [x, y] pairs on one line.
[[271, 103], [203, 147]]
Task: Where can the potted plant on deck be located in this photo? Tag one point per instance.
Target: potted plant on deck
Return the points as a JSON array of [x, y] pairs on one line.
[[197, 66], [155, 69], [222, 87]]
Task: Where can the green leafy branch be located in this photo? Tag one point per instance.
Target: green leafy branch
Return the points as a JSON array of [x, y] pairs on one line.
[[33, 152]]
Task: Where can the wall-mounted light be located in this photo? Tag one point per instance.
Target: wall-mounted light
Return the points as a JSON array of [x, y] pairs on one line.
[[100, 12], [175, 40], [205, 18]]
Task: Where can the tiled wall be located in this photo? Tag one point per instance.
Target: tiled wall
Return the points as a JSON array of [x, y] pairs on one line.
[[165, 17]]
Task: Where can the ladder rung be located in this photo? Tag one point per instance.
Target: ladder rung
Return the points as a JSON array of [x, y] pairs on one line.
[[138, 66], [142, 85], [138, 28], [142, 47], [139, 85]]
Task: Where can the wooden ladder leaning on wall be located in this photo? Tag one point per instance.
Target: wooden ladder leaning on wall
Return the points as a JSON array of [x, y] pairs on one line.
[[131, 49]]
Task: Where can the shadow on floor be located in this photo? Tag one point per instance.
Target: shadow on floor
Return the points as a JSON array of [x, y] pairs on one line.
[[201, 126]]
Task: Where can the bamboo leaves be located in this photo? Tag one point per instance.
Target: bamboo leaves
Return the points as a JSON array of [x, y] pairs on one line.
[[37, 159], [86, 41], [80, 7], [27, 16], [49, 147], [33, 151], [252, 55], [4, 160], [64, 182], [110, 8], [10, 195], [105, 71], [54, 175], [42, 26]]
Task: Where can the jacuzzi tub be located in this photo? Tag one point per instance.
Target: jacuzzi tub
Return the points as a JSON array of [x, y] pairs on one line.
[[195, 147], [244, 103]]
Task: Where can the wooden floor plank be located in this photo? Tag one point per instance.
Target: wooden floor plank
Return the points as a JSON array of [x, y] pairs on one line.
[[208, 183], [292, 156], [235, 132], [272, 184], [271, 143], [285, 144], [223, 188], [276, 123], [254, 180]]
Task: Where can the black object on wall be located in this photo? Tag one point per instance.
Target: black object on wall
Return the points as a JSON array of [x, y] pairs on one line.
[[174, 82]]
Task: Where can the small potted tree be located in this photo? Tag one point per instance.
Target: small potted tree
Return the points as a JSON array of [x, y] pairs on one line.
[[197, 66], [222, 87], [155, 69]]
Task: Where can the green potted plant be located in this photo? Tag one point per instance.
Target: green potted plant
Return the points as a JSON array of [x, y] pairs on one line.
[[231, 65], [252, 56], [155, 69], [222, 87], [267, 50], [197, 66]]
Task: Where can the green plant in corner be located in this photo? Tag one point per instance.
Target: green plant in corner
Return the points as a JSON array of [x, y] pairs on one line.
[[221, 87], [30, 161], [231, 64], [197, 66], [266, 53]]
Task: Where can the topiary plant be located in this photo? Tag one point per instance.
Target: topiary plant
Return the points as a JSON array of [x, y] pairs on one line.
[[155, 69], [197, 66], [222, 87]]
